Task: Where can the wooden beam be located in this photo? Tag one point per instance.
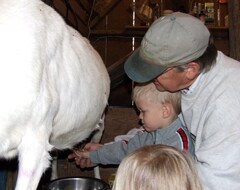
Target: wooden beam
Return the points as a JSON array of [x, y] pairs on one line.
[[234, 28], [48, 2], [69, 9], [116, 71], [86, 4], [78, 17], [101, 15], [83, 7]]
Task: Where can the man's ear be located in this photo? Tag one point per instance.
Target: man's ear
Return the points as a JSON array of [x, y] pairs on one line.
[[192, 70], [166, 110]]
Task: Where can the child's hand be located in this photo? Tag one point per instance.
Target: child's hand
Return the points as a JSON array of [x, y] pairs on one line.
[[82, 154], [82, 157]]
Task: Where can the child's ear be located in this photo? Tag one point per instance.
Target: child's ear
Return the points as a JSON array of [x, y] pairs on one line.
[[166, 110]]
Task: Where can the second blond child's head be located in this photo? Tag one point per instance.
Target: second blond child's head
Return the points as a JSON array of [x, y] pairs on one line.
[[157, 167]]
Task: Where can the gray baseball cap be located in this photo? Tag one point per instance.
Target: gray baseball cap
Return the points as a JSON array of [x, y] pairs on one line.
[[170, 41]]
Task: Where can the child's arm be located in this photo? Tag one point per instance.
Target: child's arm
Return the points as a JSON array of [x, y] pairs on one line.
[[114, 153]]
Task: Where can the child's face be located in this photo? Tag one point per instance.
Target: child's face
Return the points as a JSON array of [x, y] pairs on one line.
[[151, 114]]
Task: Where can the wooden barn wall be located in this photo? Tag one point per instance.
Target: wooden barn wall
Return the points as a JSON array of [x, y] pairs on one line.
[[109, 35], [110, 39]]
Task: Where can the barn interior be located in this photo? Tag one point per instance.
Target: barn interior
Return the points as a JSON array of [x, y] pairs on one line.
[[115, 29]]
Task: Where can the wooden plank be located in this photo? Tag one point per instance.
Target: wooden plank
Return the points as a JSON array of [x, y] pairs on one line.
[[234, 28], [86, 4], [116, 71], [70, 10], [75, 11], [48, 2], [101, 15], [70, 14], [82, 13], [12, 166], [79, 2]]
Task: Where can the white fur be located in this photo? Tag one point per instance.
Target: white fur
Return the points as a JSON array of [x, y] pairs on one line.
[[54, 86]]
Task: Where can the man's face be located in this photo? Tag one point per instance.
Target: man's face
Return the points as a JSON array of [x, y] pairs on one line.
[[171, 80]]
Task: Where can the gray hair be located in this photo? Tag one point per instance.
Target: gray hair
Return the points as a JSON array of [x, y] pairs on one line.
[[206, 61]]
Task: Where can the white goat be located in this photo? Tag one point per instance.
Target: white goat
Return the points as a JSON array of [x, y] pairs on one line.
[[54, 87]]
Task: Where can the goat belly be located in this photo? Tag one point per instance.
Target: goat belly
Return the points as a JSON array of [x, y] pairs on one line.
[[82, 92]]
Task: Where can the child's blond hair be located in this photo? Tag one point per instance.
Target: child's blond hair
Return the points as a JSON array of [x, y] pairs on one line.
[[149, 90], [157, 167]]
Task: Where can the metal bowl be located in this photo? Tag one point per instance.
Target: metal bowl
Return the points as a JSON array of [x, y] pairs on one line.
[[77, 183]]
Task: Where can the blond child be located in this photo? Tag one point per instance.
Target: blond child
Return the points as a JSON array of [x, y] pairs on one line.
[[159, 117], [157, 167]]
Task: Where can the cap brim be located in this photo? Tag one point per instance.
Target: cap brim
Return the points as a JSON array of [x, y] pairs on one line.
[[139, 70]]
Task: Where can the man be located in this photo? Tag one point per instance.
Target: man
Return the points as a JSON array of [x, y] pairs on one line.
[[176, 54]]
